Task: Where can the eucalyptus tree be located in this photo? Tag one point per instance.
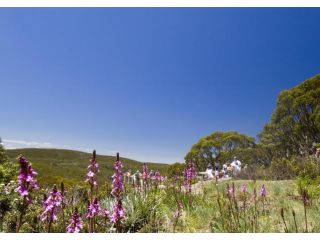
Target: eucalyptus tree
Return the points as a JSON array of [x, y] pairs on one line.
[[218, 148], [295, 124]]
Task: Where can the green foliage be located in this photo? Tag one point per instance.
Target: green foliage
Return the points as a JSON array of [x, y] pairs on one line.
[[310, 185], [143, 211], [255, 172], [176, 169], [295, 123], [6, 201], [3, 156], [257, 155], [309, 177], [219, 147], [310, 168], [8, 169], [284, 168]]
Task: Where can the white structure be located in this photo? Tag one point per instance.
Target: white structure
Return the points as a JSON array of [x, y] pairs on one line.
[[209, 173], [235, 165]]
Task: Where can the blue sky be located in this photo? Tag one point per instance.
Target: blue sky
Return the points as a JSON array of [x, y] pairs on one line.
[[147, 83]]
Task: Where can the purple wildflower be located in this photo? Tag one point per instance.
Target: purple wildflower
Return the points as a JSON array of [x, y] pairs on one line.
[[118, 212], [244, 188], [189, 175], [156, 176], [117, 183], [230, 190], [145, 171], [191, 170], [26, 179], [163, 179], [106, 213], [263, 191], [178, 213], [51, 205], [117, 189], [93, 169], [175, 181], [93, 209], [145, 174], [76, 223]]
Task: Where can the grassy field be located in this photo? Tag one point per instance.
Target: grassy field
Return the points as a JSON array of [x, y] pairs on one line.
[[205, 214], [56, 165], [210, 210]]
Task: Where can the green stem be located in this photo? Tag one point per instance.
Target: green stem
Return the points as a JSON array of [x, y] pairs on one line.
[[244, 215], [284, 221], [305, 217], [295, 222], [22, 213]]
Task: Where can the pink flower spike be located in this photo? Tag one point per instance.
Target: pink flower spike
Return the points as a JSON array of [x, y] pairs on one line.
[[93, 209], [244, 188], [90, 174], [76, 223], [26, 179], [93, 169], [51, 205], [263, 191]]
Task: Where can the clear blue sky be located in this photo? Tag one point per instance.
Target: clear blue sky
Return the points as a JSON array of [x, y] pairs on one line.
[[147, 82]]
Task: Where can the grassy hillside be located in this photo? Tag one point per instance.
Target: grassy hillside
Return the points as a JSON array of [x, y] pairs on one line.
[[56, 165]]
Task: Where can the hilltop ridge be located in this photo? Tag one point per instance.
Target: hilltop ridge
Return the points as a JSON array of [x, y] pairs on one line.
[[70, 166]]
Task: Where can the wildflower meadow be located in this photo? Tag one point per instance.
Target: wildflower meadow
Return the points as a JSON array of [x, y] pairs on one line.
[[157, 203]]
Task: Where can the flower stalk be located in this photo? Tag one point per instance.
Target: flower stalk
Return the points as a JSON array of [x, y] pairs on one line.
[[145, 175], [117, 190], [51, 207], [263, 194], [177, 215], [92, 180], [76, 224], [189, 175], [26, 183]]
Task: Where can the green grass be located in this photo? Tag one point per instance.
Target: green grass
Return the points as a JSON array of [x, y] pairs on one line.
[[152, 211], [204, 215], [56, 165]]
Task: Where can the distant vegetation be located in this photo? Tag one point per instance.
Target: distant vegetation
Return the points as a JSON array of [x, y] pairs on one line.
[[68, 166], [8, 169]]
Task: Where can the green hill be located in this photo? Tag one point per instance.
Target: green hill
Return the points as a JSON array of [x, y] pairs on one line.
[[56, 165]]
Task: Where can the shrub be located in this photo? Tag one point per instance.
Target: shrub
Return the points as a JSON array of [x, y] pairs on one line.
[[283, 169], [176, 169], [254, 172], [7, 169], [309, 176], [7, 172]]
